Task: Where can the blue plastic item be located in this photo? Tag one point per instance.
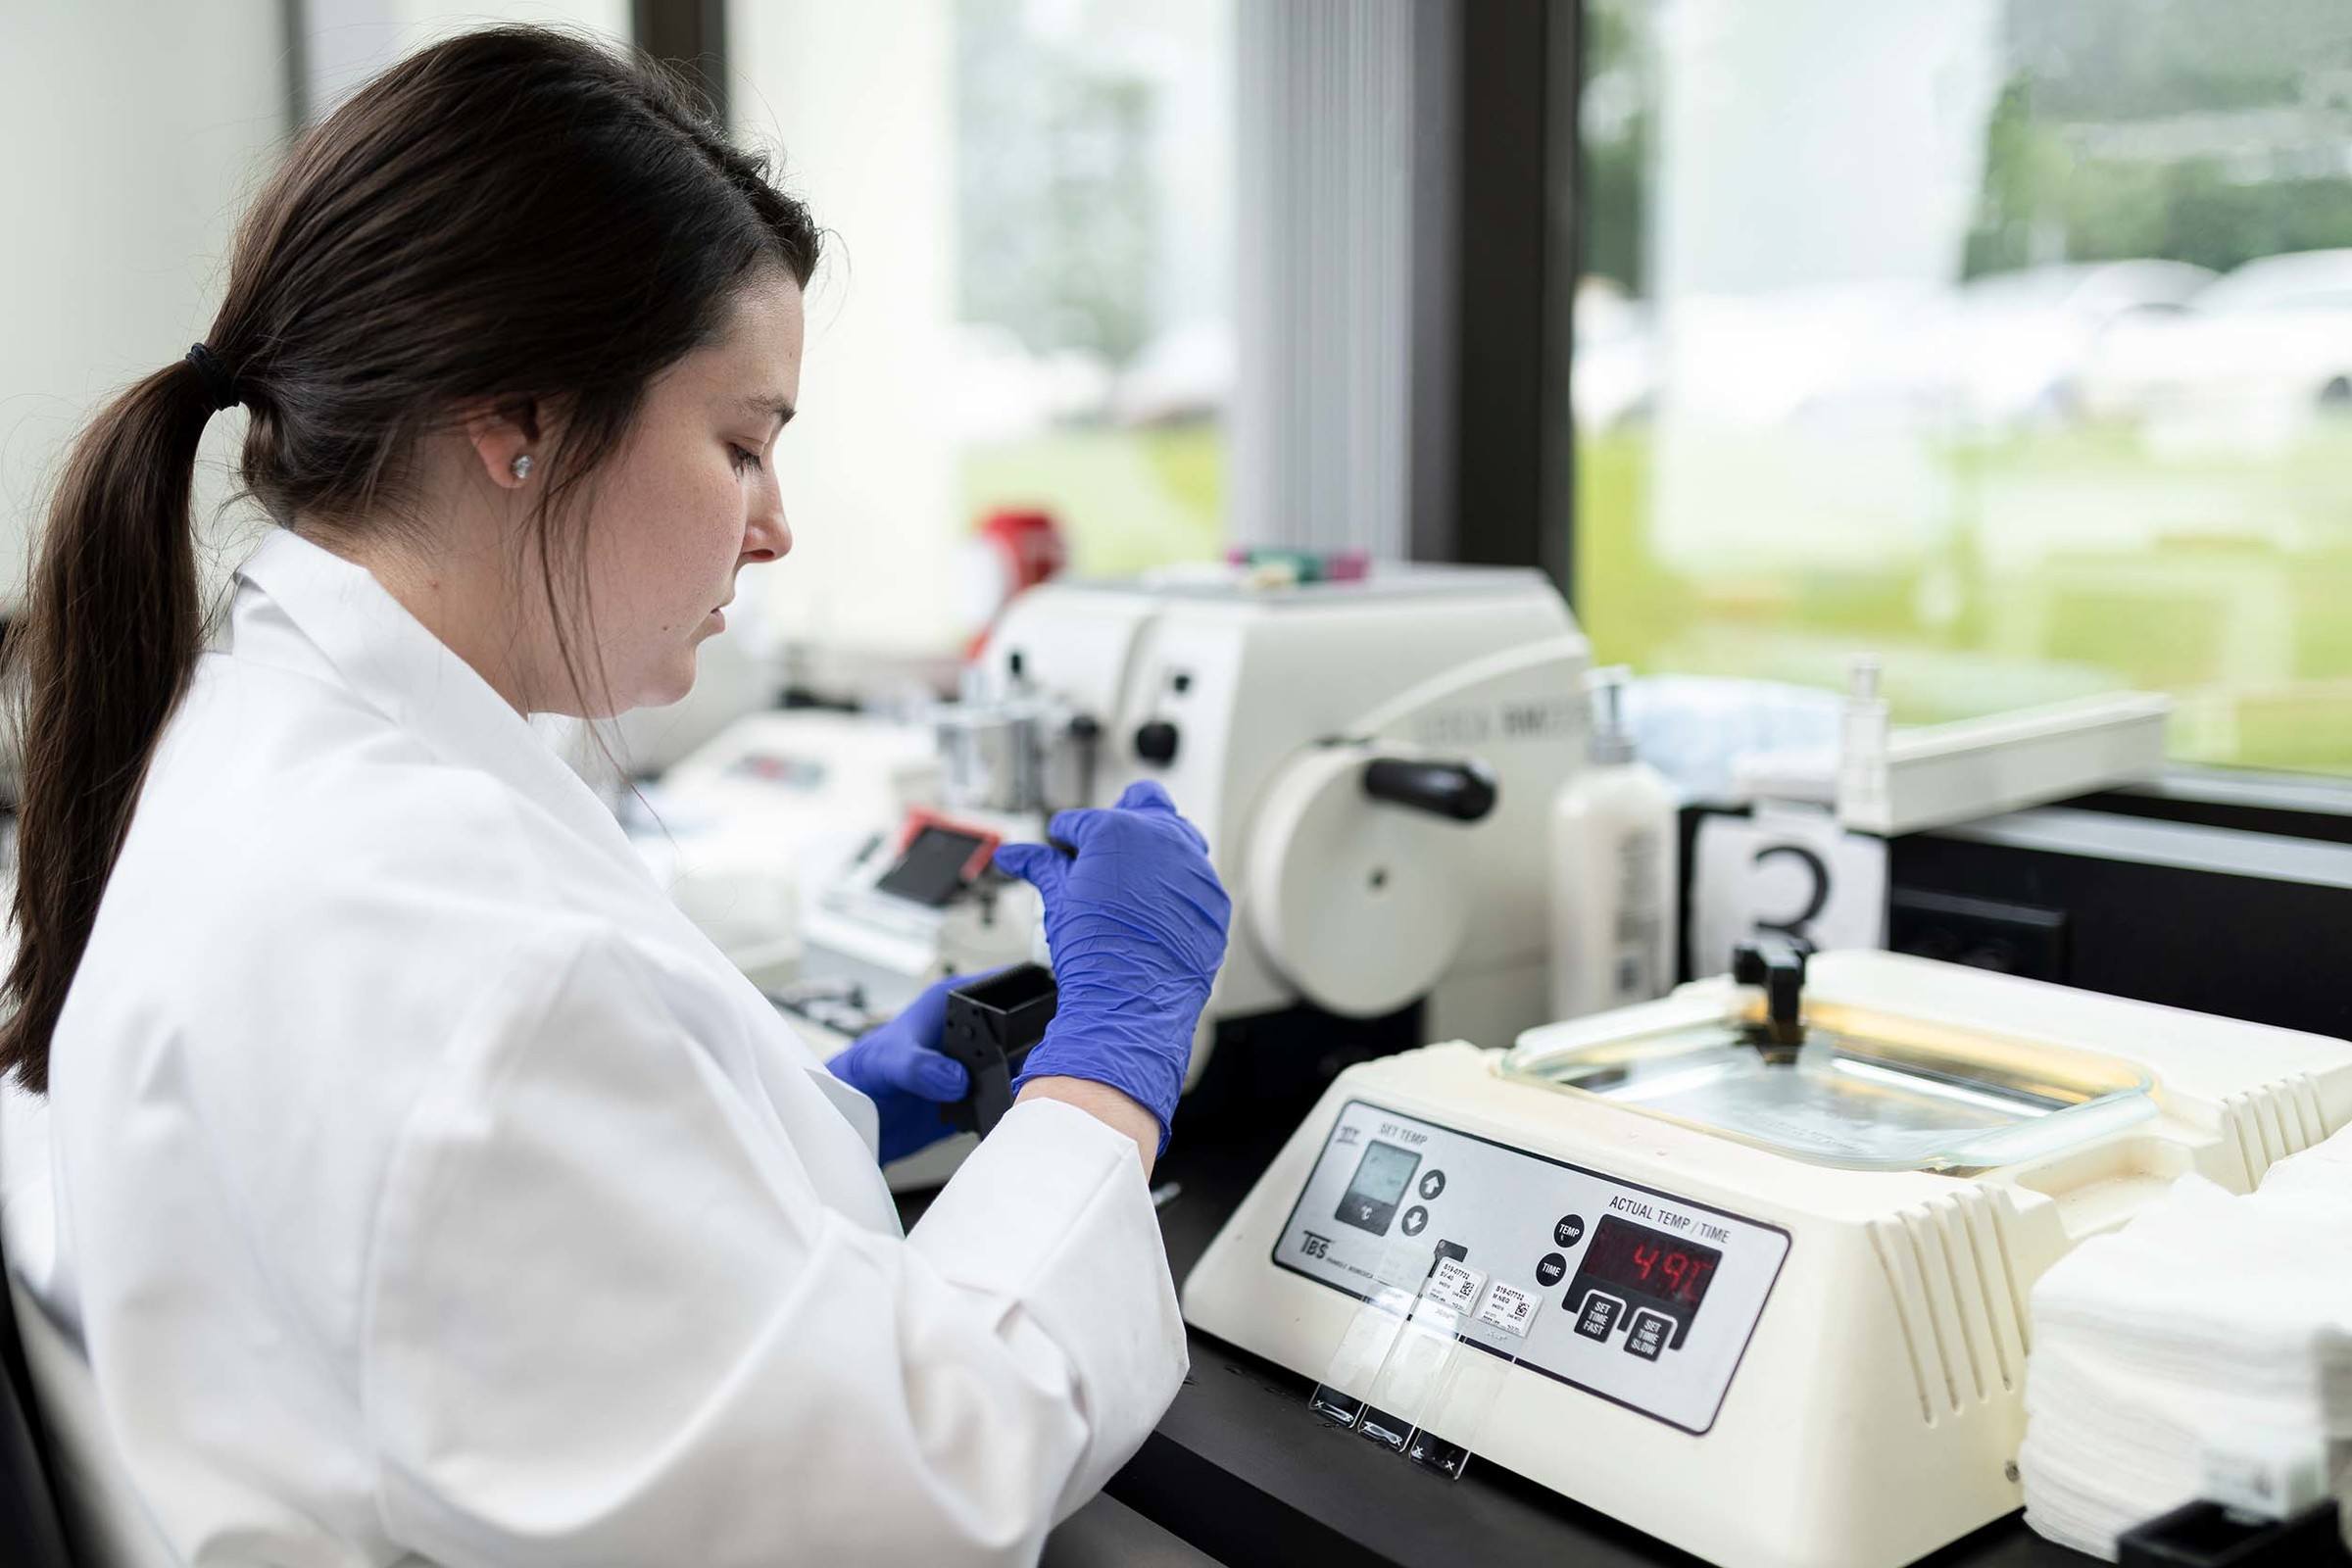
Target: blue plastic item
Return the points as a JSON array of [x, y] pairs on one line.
[[1136, 923], [901, 1069]]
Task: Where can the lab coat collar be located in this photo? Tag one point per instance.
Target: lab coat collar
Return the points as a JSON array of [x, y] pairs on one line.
[[392, 662]]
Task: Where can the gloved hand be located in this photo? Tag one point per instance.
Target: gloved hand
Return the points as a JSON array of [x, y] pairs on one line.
[[1137, 926], [899, 1068]]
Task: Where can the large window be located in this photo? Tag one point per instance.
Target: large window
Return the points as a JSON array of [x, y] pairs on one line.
[[1094, 252], [2010, 338], [1027, 300]]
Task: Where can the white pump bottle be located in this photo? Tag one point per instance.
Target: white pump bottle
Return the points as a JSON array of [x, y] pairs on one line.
[[1614, 853]]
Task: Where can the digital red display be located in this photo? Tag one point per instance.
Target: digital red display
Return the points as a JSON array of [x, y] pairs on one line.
[[1656, 1264]]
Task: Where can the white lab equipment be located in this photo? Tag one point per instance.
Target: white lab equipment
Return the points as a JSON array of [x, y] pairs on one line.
[[427, 1186], [916, 903], [1695, 729], [1812, 861], [737, 828], [1372, 762], [1614, 850], [1890, 779], [1767, 1256]]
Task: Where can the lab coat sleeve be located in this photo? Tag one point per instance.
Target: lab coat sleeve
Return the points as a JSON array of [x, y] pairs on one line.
[[1051, 1213], [610, 1319]]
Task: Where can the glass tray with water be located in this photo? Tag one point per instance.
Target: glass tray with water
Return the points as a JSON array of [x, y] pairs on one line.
[[1860, 1090]]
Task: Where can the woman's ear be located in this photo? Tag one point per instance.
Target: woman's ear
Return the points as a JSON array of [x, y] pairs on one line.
[[499, 435]]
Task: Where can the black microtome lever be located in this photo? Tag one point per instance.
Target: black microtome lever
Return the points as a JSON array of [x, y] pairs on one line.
[[1778, 967]]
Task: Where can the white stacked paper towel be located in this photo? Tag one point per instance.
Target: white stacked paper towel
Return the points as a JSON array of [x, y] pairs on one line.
[[2212, 1325]]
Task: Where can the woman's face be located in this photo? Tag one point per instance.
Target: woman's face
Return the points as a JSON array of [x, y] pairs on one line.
[[691, 498]]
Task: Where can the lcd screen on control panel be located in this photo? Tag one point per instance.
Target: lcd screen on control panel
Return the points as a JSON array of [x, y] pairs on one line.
[[932, 868], [1651, 1263], [1379, 1182]]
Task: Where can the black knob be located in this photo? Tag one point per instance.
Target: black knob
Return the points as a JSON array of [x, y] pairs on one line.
[[1156, 741], [1462, 791], [1778, 967]]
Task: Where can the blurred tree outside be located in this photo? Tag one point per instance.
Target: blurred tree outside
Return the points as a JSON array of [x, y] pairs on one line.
[[1064, 241], [2212, 132], [1055, 207]]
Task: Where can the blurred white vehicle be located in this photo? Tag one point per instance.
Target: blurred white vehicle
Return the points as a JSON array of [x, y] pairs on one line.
[[1004, 393], [1755, 360], [1184, 373], [2254, 356], [2002, 352], [2009, 350], [2024, 340]]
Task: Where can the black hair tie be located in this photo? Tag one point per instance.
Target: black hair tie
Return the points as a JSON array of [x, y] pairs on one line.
[[218, 384]]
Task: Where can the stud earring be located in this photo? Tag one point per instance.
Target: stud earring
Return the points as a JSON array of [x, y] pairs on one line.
[[522, 466]]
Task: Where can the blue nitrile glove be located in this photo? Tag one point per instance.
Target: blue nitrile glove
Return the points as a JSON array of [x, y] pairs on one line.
[[899, 1068], [1136, 925]]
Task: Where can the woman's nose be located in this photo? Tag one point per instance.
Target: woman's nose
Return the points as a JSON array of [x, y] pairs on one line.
[[767, 536]]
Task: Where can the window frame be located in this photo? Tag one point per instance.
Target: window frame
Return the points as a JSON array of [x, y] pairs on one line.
[[690, 35], [1494, 465]]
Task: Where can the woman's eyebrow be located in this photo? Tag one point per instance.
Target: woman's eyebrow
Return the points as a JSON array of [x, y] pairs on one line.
[[770, 403]]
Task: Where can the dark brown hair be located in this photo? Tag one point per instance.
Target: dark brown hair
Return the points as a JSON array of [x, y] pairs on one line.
[[514, 218]]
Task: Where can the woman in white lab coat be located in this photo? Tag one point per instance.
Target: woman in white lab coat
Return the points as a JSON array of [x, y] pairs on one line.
[[423, 1187]]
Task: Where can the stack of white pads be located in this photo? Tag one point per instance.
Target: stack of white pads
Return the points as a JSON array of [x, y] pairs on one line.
[[2212, 1329]]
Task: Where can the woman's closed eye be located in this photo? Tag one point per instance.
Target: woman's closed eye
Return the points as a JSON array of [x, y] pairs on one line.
[[742, 459]]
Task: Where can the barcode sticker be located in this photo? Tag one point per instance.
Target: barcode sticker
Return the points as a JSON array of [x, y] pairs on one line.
[[1508, 1308], [1455, 1286]]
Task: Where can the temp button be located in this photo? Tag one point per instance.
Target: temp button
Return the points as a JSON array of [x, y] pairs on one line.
[[1569, 1231]]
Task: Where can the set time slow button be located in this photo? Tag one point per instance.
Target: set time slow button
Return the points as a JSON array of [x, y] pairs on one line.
[[1649, 1334]]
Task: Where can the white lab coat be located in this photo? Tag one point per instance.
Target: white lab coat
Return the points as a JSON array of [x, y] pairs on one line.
[[425, 1187]]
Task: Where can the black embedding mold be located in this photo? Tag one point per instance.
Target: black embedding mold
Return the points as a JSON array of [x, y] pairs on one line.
[[990, 1025]]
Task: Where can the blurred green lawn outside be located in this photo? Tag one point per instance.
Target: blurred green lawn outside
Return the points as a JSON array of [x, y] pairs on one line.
[[1126, 498], [2067, 563]]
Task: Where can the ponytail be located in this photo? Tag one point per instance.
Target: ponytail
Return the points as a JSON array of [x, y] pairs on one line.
[[110, 637], [372, 291]]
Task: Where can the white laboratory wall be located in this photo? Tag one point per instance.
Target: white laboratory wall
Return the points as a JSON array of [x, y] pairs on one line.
[[132, 133], [855, 100]]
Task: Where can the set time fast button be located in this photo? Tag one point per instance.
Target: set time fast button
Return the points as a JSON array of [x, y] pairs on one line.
[[1598, 1315]]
